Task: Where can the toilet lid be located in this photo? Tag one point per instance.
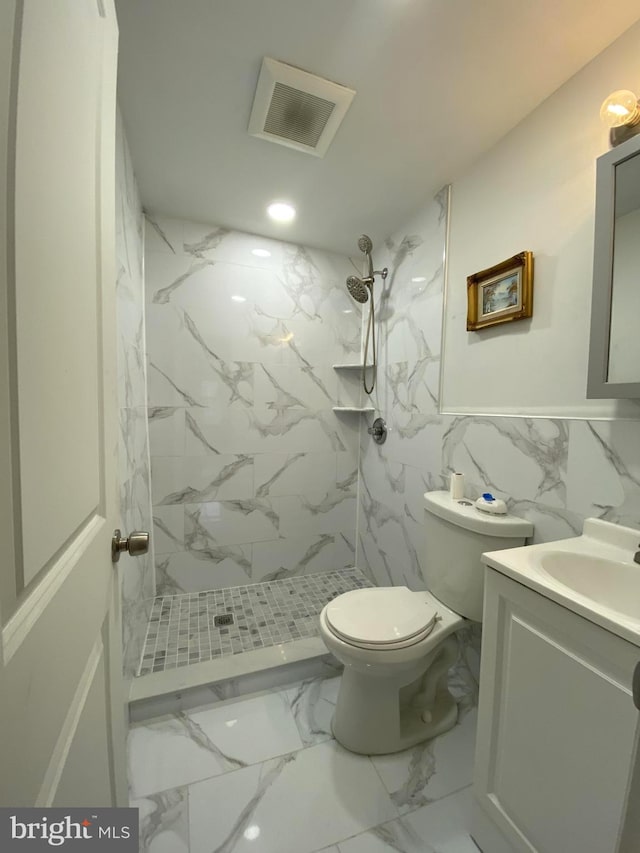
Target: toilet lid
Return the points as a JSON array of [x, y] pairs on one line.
[[381, 616]]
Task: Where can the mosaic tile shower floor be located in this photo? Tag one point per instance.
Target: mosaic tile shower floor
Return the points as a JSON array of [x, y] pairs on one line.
[[181, 628]]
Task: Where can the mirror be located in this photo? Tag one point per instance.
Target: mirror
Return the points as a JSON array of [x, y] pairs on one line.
[[614, 351]]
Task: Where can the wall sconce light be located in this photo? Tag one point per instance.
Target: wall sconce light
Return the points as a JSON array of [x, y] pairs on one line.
[[621, 112]]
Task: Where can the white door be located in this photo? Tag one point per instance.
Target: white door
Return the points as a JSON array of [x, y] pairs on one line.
[[61, 708]]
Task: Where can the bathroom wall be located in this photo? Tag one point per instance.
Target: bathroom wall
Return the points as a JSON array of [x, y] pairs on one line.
[[535, 190], [133, 453], [552, 471], [253, 475]]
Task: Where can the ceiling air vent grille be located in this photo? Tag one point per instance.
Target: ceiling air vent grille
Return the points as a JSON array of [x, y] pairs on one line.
[[297, 109], [297, 115]]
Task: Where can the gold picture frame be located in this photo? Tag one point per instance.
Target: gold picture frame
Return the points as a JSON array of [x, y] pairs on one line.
[[501, 294]]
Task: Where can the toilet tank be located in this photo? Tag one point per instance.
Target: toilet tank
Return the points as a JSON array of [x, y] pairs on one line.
[[456, 534]]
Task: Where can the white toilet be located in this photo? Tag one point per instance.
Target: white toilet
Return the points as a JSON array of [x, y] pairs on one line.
[[397, 645]]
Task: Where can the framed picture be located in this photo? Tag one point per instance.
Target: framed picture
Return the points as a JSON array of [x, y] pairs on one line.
[[501, 294]]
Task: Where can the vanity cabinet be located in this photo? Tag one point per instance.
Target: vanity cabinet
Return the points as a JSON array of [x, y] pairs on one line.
[[557, 727]]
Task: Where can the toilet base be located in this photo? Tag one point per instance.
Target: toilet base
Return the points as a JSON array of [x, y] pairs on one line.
[[414, 729], [385, 714]]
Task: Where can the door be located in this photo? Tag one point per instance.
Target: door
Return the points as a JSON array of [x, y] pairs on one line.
[[61, 704]]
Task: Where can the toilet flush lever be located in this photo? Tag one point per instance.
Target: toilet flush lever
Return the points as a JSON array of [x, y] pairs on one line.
[[136, 544]]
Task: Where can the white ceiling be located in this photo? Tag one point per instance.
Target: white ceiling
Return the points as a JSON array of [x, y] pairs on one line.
[[438, 82]]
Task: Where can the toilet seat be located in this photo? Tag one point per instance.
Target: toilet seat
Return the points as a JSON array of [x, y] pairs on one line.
[[381, 618]]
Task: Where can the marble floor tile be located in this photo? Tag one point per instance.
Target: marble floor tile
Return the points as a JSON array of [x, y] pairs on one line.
[[295, 804], [313, 703], [164, 822], [431, 770], [186, 747], [441, 827]]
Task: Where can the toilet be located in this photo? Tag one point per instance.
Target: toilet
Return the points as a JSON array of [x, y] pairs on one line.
[[397, 645]]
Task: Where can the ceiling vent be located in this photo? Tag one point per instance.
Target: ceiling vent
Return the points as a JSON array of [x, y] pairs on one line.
[[297, 109]]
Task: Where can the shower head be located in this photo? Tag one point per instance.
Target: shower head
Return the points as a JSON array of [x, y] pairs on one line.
[[357, 288], [365, 245]]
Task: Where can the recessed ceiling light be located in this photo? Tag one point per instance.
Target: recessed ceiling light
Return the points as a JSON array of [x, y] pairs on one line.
[[261, 253], [237, 298], [281, 211], [419, 278]]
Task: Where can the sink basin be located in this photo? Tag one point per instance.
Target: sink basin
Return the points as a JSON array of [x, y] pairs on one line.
[[611, 583]]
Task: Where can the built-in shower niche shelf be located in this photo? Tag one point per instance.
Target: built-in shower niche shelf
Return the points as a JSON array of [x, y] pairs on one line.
[[358, 409], [347, 366]]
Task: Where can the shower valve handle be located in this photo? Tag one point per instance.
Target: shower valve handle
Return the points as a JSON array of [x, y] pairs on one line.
[[378, 431]]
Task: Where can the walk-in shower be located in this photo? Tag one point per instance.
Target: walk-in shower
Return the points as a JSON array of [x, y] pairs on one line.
[[360, 289]]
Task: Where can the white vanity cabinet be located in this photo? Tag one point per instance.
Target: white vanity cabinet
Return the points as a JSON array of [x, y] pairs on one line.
[[557, 727]]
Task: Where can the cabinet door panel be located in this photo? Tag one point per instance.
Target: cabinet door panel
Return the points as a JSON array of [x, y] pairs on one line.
[[557, 724]]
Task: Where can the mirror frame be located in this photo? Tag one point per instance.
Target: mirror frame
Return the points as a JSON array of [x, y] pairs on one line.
[[598, 385]]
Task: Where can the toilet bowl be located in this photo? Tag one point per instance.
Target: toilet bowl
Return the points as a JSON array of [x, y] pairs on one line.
[[397, 645], [381, 660]]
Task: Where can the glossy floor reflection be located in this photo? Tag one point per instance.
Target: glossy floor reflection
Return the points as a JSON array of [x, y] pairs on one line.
[[264, 774]]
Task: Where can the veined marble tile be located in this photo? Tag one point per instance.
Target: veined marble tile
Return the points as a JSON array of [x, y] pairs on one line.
[[162, 234], [194, 745], [431, 770], [297, 431], [193, 479], [231, 522], [205, 568], [411, 337], [164, 822], [314, 513], [186, 363], [131, 373], [168, 529], [350, 391], [218, 430], [258, 802], [313, 704], [133, 446], [345, 551], [395, 532], [513, 457], [169, 275], [550, 522], [167, 430], [413, 387], [258, 430], [415, 438], [446, 824], [298, 555], [372, 561], [211, 241], [278, 474], [286, 386], [604, 470], [441, 827]]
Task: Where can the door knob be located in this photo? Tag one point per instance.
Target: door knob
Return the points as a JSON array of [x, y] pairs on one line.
[[136, 543]]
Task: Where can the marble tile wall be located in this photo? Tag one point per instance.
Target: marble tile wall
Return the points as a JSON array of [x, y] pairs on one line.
[[555, 472], [254, 476], [133, 452]]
